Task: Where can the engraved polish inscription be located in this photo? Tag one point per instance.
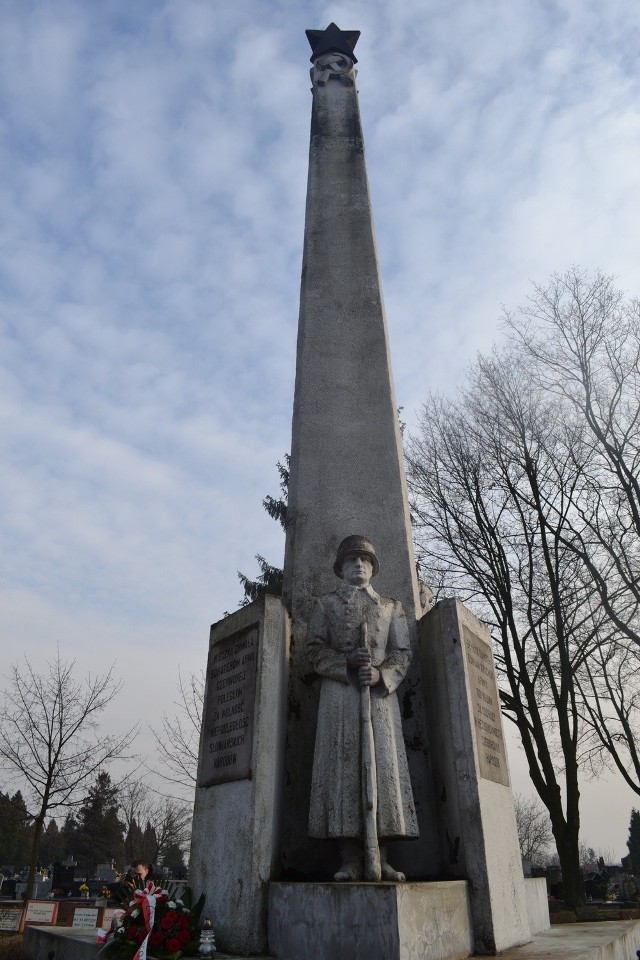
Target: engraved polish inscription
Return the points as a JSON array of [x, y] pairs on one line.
[[485, 705], [41, 912], [10, 917], [228, 715]]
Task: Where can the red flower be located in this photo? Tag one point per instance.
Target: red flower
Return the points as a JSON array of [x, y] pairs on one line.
[[169, 919], [140, 935], [183, 936], [173, 945], [155, 938]]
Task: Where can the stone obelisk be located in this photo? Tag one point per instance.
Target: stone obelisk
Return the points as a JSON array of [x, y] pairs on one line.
[[346, 473], [250, 844]]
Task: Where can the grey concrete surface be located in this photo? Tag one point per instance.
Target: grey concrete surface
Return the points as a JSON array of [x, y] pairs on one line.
[[535, 889], [65, 943], [235, 838], [478, 834], [612, 940], [374, 921], [347, 469]]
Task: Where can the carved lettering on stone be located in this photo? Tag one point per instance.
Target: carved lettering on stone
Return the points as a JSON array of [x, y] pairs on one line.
[[485, 706], [10, 917], [228, 714]]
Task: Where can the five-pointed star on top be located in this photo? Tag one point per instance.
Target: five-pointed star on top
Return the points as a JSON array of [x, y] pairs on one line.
[[332, 40]]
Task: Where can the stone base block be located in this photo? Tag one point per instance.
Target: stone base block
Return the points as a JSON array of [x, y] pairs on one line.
[[535, 889], [369, 921], [63, 943]]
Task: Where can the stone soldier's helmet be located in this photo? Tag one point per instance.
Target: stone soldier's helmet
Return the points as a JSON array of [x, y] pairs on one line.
[[356, 543]]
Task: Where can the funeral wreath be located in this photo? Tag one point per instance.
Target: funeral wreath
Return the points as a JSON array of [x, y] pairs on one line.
[[155, 924]]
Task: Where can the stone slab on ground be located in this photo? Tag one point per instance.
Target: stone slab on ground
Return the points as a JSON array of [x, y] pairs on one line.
[[608, 940], [612, 940], [370, 921], [65, 943]]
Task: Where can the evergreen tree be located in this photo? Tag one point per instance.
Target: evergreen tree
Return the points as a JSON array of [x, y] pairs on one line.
[[69, 833], [633, 843], [270, 578], [149, 844], [53, 846], [173, 860], [133, 842], [98, 836], [16, 830]]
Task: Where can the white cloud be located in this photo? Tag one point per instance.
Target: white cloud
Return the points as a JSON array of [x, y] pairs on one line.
[[153, 158]]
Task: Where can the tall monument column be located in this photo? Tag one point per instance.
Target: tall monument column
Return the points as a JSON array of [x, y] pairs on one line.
[[347, 473], [377, 779]]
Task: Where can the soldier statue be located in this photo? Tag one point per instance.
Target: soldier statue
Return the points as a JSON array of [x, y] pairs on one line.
[[361, 792]]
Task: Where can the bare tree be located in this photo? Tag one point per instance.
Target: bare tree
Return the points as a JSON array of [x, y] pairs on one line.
[[610, 706], [534, 828], [517, 509], [153, 822], [477, 473], [179, 740], [172, 824], [50, 741], [582, 339]]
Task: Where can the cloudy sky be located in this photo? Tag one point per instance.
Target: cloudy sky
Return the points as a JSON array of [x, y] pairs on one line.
[[153, 160]]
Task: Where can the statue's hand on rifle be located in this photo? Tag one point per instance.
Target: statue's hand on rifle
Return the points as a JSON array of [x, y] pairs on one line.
[[360, 661]]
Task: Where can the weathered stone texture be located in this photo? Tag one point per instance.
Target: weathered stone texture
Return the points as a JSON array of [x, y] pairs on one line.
[[347, 471], [236, 825], [478, 835]]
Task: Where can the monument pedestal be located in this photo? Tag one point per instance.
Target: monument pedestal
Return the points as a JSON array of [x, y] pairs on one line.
[[369, 921], [238, 804], [251, 817], [476, 818]]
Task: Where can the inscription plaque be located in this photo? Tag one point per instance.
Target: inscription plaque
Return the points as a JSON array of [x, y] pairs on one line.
[[485, 706], [10, 917], [41, 911], [85, 917], [228, 715]]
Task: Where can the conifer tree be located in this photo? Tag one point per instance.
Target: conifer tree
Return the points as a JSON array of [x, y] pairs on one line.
[[98, 836], [633, 843], [269, 579], [52, 846], [15, 830]]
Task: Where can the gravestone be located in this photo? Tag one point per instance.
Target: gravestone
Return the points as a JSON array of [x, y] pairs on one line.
[[85, 917], [11, 917], [42, 912]]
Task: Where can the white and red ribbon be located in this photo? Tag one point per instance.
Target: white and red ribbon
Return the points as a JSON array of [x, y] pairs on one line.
[[146, 900]]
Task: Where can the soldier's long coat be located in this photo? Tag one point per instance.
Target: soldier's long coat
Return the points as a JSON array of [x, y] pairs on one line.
[[335, 630]]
